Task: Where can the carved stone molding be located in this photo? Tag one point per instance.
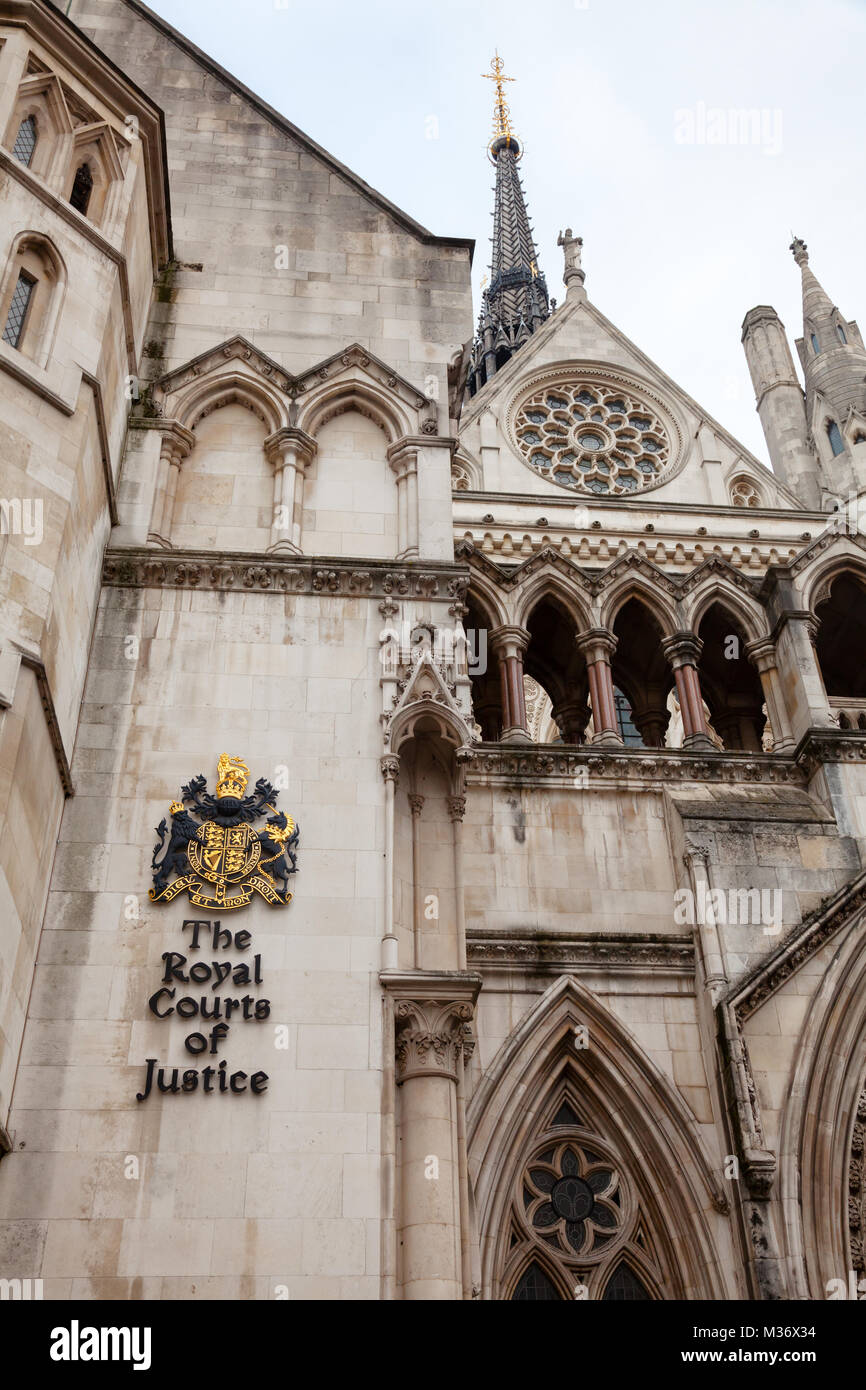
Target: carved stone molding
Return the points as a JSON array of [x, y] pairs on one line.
[[758, 1161], [653, 766], [803, 942], [830, 746], [241, 349], [546, 953], [857, 1189], [139, 568]]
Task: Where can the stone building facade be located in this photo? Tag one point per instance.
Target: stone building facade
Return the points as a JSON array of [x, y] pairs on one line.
[[561, 685]]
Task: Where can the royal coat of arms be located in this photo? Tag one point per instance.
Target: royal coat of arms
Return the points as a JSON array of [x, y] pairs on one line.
[[219, 859]]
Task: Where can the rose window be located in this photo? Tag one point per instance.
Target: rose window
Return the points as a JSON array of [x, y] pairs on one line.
[[572, 1199], [593, 438]]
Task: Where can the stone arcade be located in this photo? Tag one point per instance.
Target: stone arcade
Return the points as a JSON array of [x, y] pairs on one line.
[[493, 1061]]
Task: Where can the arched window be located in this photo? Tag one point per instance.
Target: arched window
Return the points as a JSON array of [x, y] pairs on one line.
[[19, 308], [840, 638], [623, 1286], [841, 331], [25, 140], [31, 295], [835, 437], [627, 731], [814, 340], [729, 682], [744, 493], [574, 1200], [82, 188], [641, 677], [535, 1287]]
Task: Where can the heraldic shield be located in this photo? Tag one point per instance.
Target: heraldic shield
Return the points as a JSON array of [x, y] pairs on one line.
[[219, 859]]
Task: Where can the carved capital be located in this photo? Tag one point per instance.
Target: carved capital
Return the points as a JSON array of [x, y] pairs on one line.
[[456, 807], [416, 804], [430, 1036], [291, 446], [597, 644], [761, 653], [509, 641], [403, 457], [696, 854], [390, 766], [177, 441], [682, 649]]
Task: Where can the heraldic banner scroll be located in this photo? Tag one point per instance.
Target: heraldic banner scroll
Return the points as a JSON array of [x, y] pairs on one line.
[[219, 858]]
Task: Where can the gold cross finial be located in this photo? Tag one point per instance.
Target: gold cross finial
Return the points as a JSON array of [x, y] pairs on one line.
[[501, 113]]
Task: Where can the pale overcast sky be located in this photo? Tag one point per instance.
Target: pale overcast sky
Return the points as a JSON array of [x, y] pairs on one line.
[[617, 102]]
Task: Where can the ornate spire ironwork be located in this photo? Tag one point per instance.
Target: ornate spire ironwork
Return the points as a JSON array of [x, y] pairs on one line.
[[515, 302]]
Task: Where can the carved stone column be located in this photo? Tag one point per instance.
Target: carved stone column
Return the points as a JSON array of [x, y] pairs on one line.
[[800, 673], [509, 645], [432, 1024], [456, 812], [598, 646], [683, 651], [176, 445], [703, 920], [762, 655], [403, 458], [289, 451], [416, 806], [390, 765]]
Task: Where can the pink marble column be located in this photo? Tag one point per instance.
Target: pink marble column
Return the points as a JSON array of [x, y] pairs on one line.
[[509, 645], [598, 646], [683, 651]]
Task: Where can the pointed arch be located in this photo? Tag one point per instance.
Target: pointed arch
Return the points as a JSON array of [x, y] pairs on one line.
[[360, 393], [551, 583], [427, 707], [816, 579], [629, 1265], [35, 257], [718, 588], [490, 599], [523, 1265], [815, 1149], [627, 1100], [617, 589], [231, 387]]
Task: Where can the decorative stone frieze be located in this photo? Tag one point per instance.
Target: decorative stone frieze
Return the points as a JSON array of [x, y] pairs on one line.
[[139, 568], [650, 766], [549, 954]]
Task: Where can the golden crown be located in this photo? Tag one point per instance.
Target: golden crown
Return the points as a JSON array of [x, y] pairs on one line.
[[232, 775]]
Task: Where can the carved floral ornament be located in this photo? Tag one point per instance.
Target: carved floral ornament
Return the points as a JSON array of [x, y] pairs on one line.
[[594, 435], [431, 1036]]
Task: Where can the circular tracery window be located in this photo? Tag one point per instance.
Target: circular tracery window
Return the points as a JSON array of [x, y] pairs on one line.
[[592, 438], [572, 1199]]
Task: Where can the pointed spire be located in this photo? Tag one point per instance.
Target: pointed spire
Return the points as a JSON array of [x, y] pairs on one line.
[[816, 300], [515, 301], [831, 351]]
